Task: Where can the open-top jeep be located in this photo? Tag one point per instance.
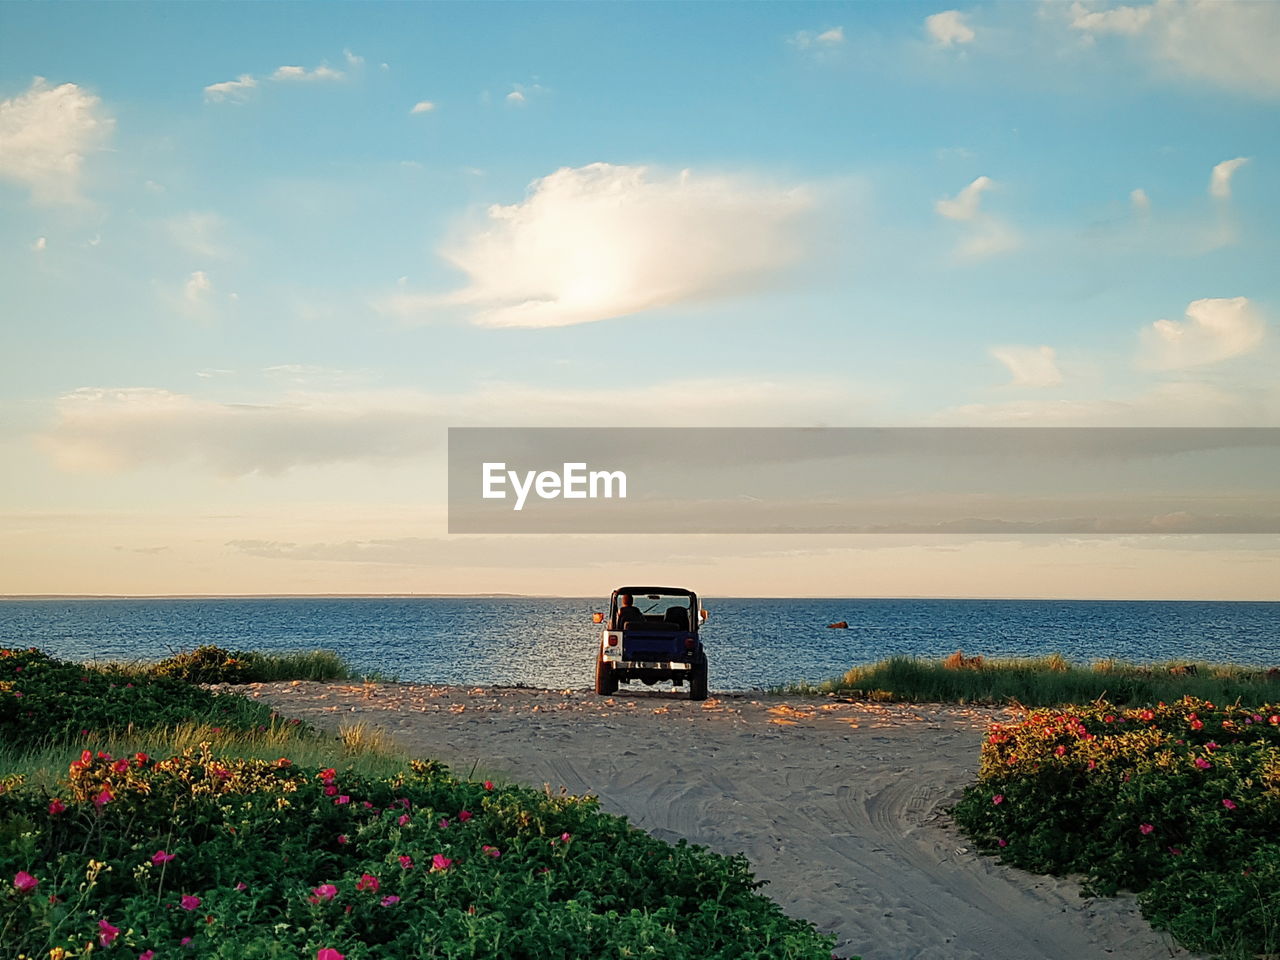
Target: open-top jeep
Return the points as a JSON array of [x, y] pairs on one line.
[[651, 634]]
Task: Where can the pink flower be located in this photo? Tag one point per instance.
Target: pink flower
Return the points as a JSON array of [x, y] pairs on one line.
[[189, 902], [406, 862], [342, 838], [24, 882], [242, 886], [388, 901], [1002, 842], [1202, 763], [441, 862], [1229, 804], [185, 941], [488, 784], [328, 953], [403, 819], [1146, 829], [565, 837], [161, 857], [330, 790], [998, 799], [1175, 851], [464, 816], [103, 798], [341, 800], [107, 933], [147, 955], [444, 823], [56, 807], [369, 882], [326, 891], [492, 851]]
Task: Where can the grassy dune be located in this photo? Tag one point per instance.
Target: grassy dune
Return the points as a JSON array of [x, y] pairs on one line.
[[1050, 681]]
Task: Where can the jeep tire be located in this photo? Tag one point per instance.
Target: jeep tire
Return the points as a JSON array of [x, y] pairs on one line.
[[698, 678], [606, 680]]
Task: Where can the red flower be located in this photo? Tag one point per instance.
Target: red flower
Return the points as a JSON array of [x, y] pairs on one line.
[[402, 819], [326, 891], [328, 953], [1202, 763], [388, 901], [440, 862], [488, 784], [56, 807], [1229, 804], [160, 856], [492, 851], [464, 816], [107, 933], [103, 798], [147, 955], [998, 799], [340, 800], [1146, 829], [24, 882], [406, 862], [368, 882], [189, 902]]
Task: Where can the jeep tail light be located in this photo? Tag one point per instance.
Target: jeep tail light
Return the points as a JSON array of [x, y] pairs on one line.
[[688, 643]]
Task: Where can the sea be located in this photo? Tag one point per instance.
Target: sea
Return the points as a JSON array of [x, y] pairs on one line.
[[550, 642]]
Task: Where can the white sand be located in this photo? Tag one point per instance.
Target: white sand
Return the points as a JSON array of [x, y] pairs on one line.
[[839, 805]]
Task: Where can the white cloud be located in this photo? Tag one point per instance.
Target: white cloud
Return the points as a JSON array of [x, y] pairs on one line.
[[99, 429], [45, 135], [353, 60], [1140, 201], [948, 28], [986, 235], [1030, 366], [1220, 179], [818, 41], [1215, 330], [236, 91], [1124, 20], [1230, 44], [423, 106], [303, 74], [522, 93], [197, 287], [964, 205], [602, 241], [40, 244], [515, 96]]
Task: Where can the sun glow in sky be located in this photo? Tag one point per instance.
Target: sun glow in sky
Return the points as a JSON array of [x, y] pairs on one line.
[[257, 259]]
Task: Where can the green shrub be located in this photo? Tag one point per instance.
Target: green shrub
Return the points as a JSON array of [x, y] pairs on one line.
[[1180, 802], [268, 860], [213, 664], [44, 700]]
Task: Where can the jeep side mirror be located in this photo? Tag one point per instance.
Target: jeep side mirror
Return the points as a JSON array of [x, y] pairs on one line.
[[597, 618], [702, 615]]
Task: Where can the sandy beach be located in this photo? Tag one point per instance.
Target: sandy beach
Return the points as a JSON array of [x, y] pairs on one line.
[[839, 805]]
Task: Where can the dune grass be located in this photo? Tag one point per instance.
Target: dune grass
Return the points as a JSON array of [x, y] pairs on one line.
[[1049, 681]]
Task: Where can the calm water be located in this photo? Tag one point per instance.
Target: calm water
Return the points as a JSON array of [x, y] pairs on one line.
[[551, 642]]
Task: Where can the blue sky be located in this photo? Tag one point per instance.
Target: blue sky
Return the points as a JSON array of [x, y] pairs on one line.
[[246, 278]]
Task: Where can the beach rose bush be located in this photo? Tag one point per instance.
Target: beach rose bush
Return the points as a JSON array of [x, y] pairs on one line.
[[1179, 802], [202, 856]]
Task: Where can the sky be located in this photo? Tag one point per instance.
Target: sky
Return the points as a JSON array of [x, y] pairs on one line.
[[257, 258]]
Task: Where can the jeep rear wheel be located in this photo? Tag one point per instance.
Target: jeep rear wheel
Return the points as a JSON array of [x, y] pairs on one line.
[[606, 681], [698, 679]]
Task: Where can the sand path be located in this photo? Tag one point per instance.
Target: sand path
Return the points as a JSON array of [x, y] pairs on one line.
[[839, 806]]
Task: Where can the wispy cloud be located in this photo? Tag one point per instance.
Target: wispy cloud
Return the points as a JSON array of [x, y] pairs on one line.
[[1231, 45], [46, 134], [1220, 178], [949, 29], [1030, 366], [236, 91], [817, 41], [290, 73], [602, 241], [1140, 202], [197, 288], [984, 235], [423, 106]]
